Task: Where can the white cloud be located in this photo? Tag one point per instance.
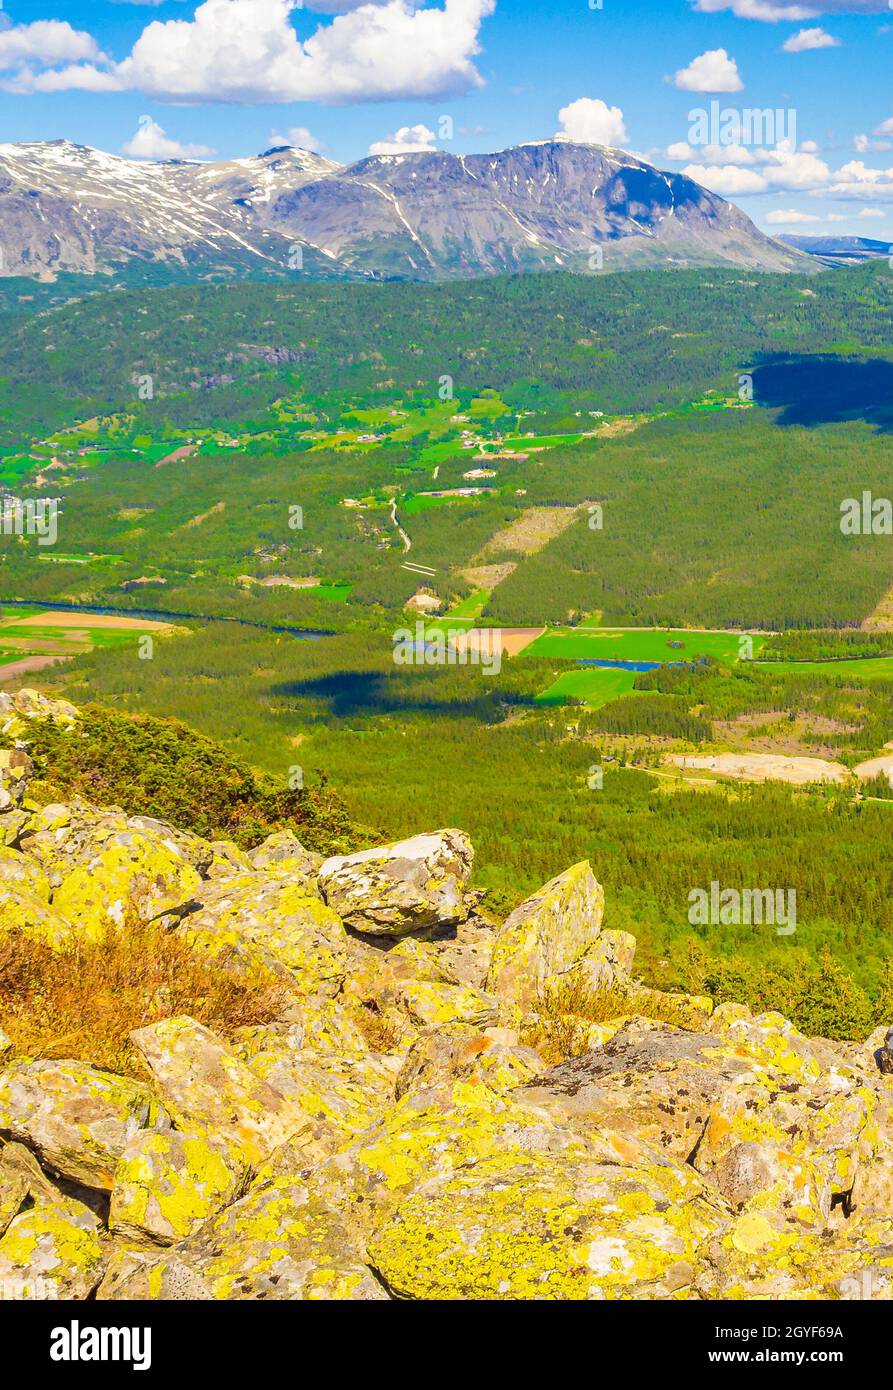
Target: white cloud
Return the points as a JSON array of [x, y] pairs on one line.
[[713, 71], [590, 121], [728, 180], [299, 137], [872, 212], [249, 51], [795, 169], [713, 154], [808, 39], [409, 139], [150, 142], [45, 42], [772, 11], [790, 217], [862, 144], [885, 127], [768, 10]]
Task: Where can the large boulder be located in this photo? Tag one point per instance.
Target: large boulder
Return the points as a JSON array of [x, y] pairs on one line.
[[209, 1089], [350, 1091], [278, 1242], [52, 1251], [21, 871], [462, 1052], [395, 890], [535, 1226], [546, 936], [283, 853], [102, 867], [76, 1119], [30, 915], [437, 1128], [254, 919], [15, 769], [167, 1185]]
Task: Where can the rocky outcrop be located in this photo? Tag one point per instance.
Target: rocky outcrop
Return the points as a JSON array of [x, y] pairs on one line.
[[394, 1131], [546, 936], [414, 886]]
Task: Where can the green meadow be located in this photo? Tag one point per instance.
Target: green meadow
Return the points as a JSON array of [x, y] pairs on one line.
[[641, 644]]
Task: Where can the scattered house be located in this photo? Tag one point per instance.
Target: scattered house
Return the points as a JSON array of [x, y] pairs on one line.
[[476, 473], [424, 602], [143, 582]]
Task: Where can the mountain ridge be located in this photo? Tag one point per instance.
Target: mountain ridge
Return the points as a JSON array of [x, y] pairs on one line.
[[420, 216]]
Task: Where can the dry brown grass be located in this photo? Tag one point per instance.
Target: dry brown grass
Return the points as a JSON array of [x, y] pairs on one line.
[[379, 1031], [82, 1002], [567, 1009]]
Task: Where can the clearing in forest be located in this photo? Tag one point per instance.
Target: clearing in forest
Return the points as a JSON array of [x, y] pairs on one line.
[[531, 531]]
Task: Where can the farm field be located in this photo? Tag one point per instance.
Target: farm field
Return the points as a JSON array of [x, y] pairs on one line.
[[596, 688], [640, 644], [32, 640], [878, 668]]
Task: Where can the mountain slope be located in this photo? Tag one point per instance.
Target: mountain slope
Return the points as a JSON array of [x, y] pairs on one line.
[[65, 207], [840, 250]]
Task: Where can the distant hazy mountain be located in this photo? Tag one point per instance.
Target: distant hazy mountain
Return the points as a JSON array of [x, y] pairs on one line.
[[65, 207], [840, 250]]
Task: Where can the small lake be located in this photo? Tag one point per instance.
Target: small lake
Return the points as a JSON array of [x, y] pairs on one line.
[[628, 665]]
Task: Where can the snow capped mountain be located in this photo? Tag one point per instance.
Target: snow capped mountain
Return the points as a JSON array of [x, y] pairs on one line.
[[546, 206]]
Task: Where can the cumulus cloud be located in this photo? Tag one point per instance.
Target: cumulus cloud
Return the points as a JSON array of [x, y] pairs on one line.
[[249, 51], [590, 121], [863, 143], [409, 139], [872, 212], [45, 43], [780, 217], [786, 170], [728, 180], [808, 39], [299, 137], [773, 11], [712, 154], [713, 71], [151, 142]]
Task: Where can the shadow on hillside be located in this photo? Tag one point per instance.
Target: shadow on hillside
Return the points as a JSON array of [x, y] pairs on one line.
[[823, 390], [351, 693]]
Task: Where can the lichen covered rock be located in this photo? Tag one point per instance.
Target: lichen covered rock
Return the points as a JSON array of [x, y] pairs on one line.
[[252, 920], [102, 867], [209, 1089], [277, 1243], [168, 1184], [53, 1250], [533, 1226], [26, 913], [413, 886], [76, 1119], [546, 936]]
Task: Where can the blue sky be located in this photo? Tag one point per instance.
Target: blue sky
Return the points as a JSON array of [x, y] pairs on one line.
[[233, 76]]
